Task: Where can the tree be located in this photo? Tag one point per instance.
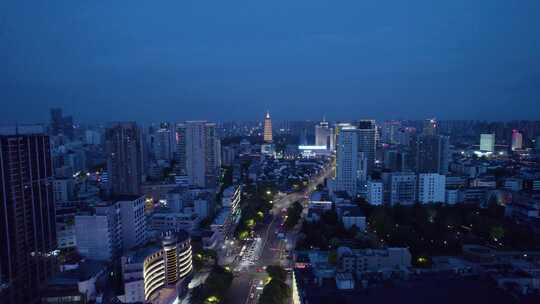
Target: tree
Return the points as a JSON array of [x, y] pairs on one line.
[[214, 288], [497, 232], [294, 213], [275, 292], [333, 257], [277, 272]]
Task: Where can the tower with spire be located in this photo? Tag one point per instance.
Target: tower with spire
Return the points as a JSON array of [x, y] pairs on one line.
[[267, 128]]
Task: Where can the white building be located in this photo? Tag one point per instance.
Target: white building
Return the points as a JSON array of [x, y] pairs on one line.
[[517, 140], [374, 192], [348, 162], [431, 188], [324, 136], [487, 143], [99, 236], [133, 219], [162, 222], [148, 269], [199, 153]]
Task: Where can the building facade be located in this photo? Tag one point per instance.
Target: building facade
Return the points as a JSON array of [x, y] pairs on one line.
[[27, 214], [375, 193], [148, 269], [134, 228], [347, 162], [199, 153], [367, 134], [402, 186], [324, 135], [124, 158], [487, 143], [517, 140], [99, 235], [431, 188]]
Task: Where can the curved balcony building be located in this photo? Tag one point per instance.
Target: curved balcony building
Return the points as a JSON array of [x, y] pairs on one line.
[[158, 265]]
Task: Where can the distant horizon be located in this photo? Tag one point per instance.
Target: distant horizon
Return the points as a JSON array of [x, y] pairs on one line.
[[274, 121]]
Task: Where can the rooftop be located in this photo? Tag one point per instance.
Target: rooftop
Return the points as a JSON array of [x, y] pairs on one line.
[[351, 211], [86, 270]]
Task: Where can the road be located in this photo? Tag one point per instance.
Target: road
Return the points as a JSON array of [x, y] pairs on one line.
[[248, 282]]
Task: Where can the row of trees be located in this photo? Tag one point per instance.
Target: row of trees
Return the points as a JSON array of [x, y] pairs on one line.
[[443, 229], [329, 233], [276, 291], [255, 205], [294, 213]]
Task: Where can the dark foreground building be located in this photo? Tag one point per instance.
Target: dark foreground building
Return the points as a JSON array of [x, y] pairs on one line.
[[27, 216]]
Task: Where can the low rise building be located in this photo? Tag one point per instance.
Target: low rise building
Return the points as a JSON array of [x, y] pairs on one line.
[[352, 216], [363, 261], [99, 235], [76, 285]]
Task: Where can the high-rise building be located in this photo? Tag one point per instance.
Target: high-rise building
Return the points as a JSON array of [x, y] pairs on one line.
[[404, 136], [199, 153], [133, 221], [367, 133], [60, 124], [431, 188], [267, 128], [517, 140], [389, 132], [487, 142], [347, 162], [395, 160], [163, 143], [27, 214], [432, 154], [124, 158], [351, 165], [324, 135], [430, 127]]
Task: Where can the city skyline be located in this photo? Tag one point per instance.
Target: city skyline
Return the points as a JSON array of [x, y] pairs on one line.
[[277, 152]]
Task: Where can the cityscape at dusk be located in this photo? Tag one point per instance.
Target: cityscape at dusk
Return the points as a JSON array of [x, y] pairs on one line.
[[284, 152]]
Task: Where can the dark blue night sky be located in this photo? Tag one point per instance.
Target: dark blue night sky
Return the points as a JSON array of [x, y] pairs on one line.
[[221, 60]]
